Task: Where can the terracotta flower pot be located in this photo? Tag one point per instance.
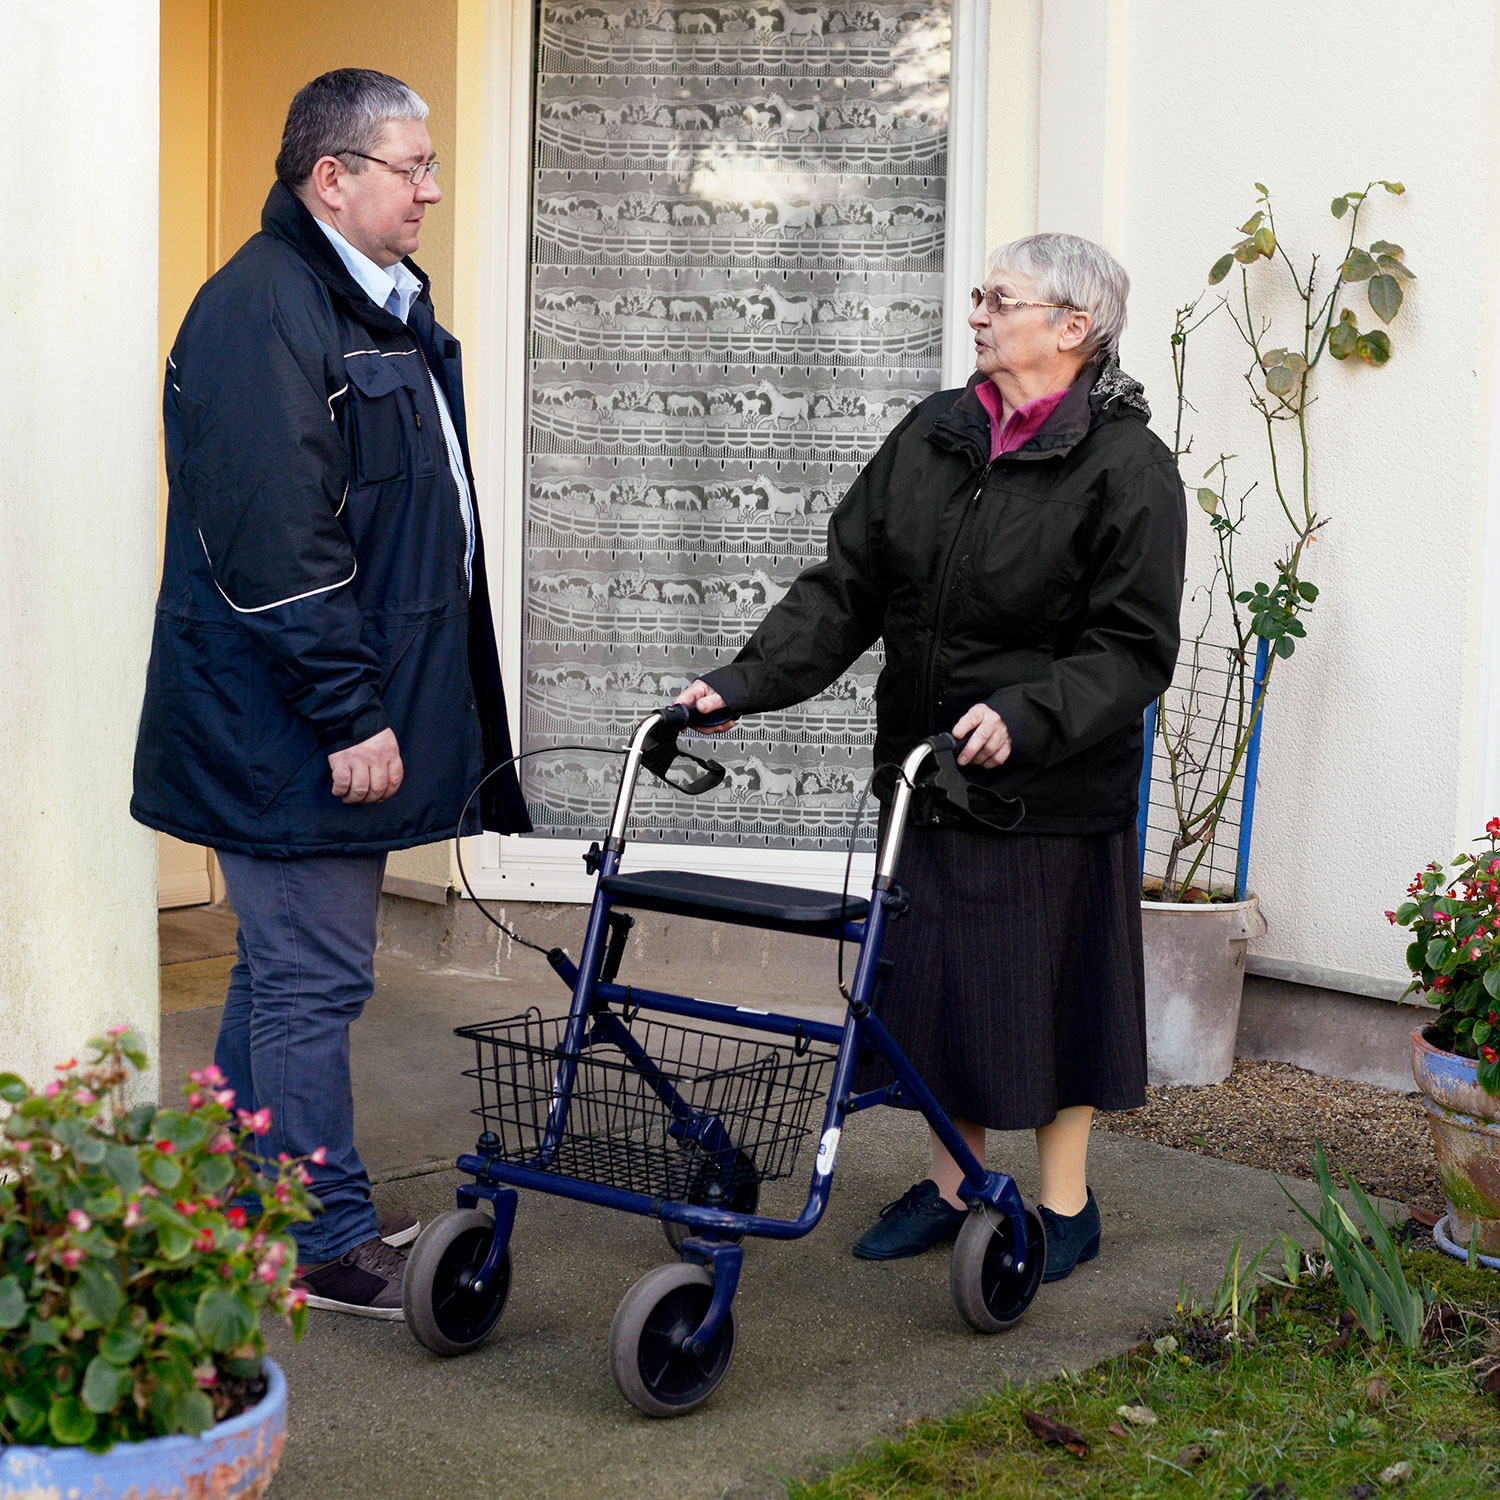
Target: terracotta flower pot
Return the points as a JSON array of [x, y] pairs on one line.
[[233, 1460], [1195, 975], [1465, 1121]]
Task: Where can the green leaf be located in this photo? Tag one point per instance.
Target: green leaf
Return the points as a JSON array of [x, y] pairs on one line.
[[1208, 499], [1489, 1076], [1246, 252], [213, 1174], [162, 1170], [173, 1242], [1406, 911], [26, 1410], [1359, 267], [192, 1412], [1397, 268], [1309, 591], [1481, 1032], [12, 1303], [1385, 297], [1253, 222], [1374, 348], [1385, 247], [1343, 337], [97, 1296], [45, 1333], [104, 1385], [1394, 188], [70, 1422], [1339, 207], [1265, 241], [224, 1318], [1285, 646], [13, 1089], [1491, 983], [1438, 952], [137, 1123], [1220, 270], [124, 1168], [120, 1345], [1281, 382]]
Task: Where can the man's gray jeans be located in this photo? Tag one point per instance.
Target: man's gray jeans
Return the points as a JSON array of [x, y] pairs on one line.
[[306, 967]]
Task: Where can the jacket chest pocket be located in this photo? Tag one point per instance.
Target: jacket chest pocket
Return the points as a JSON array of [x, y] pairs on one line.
[[384, 427], [1027, 563]]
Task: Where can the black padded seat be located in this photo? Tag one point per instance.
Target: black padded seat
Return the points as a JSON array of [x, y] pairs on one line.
[[751, 902]]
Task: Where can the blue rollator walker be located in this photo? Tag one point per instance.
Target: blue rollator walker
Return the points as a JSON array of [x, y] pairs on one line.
[[683, 1124]]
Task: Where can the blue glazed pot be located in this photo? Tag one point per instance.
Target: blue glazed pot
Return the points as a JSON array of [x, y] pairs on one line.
[[233, 1460], [1465, 1122]]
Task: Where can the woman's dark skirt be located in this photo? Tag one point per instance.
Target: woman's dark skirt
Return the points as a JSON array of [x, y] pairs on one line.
[[1017, 988]]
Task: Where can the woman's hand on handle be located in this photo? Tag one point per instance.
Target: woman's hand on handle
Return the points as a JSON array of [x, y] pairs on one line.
[[988, 742], [698, 695]]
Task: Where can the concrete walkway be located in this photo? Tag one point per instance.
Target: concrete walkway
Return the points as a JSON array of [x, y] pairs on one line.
[[832, 1353]]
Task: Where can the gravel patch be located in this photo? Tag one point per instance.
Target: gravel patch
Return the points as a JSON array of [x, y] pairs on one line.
[[1268, 1114]]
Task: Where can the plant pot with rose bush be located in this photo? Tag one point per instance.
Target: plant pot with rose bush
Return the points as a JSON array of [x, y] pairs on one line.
[[132, 1284], [1197, 915], [1453, 915]]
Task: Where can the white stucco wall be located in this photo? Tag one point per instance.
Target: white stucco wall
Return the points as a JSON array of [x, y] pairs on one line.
[[77, 522], [1380, 729]]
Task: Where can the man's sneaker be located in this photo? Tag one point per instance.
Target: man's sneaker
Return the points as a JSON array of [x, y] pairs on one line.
[[1071, 1238], [365, 1280], [397, 1228], [916, 1221]]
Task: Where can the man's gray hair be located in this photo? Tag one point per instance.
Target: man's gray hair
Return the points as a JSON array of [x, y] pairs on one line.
[[343, 111], [1065, 268]]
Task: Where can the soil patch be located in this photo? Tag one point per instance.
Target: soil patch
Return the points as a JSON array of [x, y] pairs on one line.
[[1268, 1114]]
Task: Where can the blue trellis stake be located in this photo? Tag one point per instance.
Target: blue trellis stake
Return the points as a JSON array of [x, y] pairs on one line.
[[1252, 766]]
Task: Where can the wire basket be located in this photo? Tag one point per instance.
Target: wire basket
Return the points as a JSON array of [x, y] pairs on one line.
[[668, 1111]]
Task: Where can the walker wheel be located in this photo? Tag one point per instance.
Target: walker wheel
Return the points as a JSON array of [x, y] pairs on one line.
[[988, 1287], [742, 1198], [652, 1369], [442, 1309]]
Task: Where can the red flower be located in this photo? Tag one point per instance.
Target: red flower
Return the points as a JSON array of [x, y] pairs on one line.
[[165, 1147], [236, 1217], [1489, 1054], [1390, 917], [1493, 828]]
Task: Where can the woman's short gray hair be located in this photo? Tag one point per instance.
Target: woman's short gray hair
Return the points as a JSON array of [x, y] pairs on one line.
[[1065, 268], [343, 111]]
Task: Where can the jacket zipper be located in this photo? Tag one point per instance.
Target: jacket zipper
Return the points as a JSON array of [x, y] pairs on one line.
[[944, 582]]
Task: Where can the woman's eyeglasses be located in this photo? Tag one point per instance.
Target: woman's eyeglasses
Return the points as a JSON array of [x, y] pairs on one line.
[[994, 303]]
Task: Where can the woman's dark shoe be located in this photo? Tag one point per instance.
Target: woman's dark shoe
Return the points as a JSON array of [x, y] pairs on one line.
[[1071, 1238], [916, 1221]]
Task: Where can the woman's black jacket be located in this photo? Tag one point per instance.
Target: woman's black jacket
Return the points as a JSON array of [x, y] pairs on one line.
[[1046, 584], [313, 589]]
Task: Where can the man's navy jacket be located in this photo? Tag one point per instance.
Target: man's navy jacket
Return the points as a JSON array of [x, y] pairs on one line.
[[313, 591]]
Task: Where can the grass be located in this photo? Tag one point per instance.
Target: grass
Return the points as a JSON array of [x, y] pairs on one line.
[[1299, 1408]]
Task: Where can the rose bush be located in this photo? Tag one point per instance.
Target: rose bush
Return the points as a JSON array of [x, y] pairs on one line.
[[131, 1283], [1454, 956]]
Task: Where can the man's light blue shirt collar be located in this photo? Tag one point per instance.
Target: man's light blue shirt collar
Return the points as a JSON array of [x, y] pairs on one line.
[[378, 282]]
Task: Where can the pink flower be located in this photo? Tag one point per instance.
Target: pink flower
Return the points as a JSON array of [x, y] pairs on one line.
[[23, 1145], [295, 1297], [53, 1089], [303, 1175], [213, 1075], [195, 1100], [150, 1190], [1390, 917], [1473, 952], [225, 1097], [132, 1214], [205, 1375], [257, 1124], [196, 1076], [265, 1272], [282, 1158], [236, 1217], [72, 1062], [222, 1144], [319, 1158], [276, 1252], [84, 1096], [205, 1240], [117, 1031], [282, 1193], [80, 1220], [72, 1257]]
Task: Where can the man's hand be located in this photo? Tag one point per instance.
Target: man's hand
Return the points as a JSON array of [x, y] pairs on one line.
[[699, 695], [989, 740], [370, 771]]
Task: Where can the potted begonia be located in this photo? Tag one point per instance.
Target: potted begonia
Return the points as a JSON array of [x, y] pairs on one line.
[[132, 1284], [1197, 928], [1453, 915]]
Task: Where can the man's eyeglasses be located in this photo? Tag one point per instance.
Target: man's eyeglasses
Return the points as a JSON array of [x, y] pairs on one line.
[[994, 303], [416, 175]]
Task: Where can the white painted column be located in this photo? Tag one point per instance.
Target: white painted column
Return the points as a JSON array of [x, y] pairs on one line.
[[1081, 132], [78, 201]]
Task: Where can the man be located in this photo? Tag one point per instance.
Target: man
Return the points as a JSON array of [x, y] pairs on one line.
[[323, 684]]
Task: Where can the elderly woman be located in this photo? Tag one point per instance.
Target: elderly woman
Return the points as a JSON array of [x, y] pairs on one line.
[[1018, 547]]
